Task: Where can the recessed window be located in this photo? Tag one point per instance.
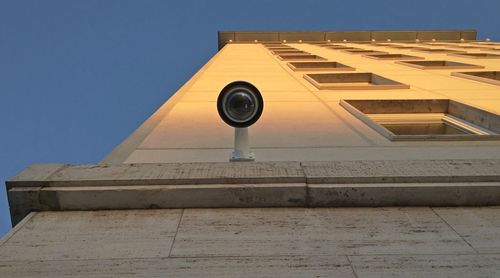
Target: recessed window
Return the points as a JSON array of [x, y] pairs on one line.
[[277, 46], [271, 43], [340, 47], [392, 57], [468, 47], [437, 127], [402, 46], [430, 119], [492, 77], [437, 50], [290, 57], [352, 81], [438, 65], [435, 44], [364, 51], [476, 55], [412, 42], [319, 43], [420, 124], [292, 51], [280, 48], [318, 66]]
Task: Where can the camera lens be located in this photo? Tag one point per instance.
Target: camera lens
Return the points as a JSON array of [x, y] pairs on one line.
[[240, 104]]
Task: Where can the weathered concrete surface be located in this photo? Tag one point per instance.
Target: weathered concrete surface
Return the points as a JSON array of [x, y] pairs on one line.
[[272, 267], [417, 171], [175, 196], [23, 200], [403, 194], [299, 231], [36, 172], [167, 173], [479, 226], [93, 235], [373, 171], [264, 242], [426, 266], [57, 198], [255, 184]]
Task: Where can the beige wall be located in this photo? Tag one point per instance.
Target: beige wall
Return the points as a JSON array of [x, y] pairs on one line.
[[299, 121]]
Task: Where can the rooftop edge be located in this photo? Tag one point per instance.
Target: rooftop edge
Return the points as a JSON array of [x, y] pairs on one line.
[[352, 35]]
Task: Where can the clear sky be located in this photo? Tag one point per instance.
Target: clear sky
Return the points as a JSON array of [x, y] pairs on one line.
[[76, 77]]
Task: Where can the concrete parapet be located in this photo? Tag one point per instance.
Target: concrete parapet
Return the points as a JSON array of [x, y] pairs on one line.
[[255, 184]]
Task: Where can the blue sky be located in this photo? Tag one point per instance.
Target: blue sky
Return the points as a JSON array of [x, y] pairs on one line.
[[76, 77]]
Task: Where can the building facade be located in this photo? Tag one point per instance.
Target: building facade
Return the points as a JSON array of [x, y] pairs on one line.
[[393, 126], [308, 119]]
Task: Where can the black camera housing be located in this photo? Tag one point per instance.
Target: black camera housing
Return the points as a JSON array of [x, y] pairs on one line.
[[240, 104]]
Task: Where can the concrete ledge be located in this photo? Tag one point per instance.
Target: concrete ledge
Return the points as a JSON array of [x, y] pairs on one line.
[[174, 196], [256, 184], [22, 201], [373, 171], [405, 194], [408, 171], [163, 174], [35, 173]]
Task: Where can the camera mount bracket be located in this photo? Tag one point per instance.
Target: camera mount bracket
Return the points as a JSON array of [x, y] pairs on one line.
[[241, 146], [240, 105]]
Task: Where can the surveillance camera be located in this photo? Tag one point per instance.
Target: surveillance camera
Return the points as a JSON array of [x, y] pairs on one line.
[[240, 105]]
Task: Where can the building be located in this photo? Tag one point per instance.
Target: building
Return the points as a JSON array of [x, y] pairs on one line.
[[396, 128]]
